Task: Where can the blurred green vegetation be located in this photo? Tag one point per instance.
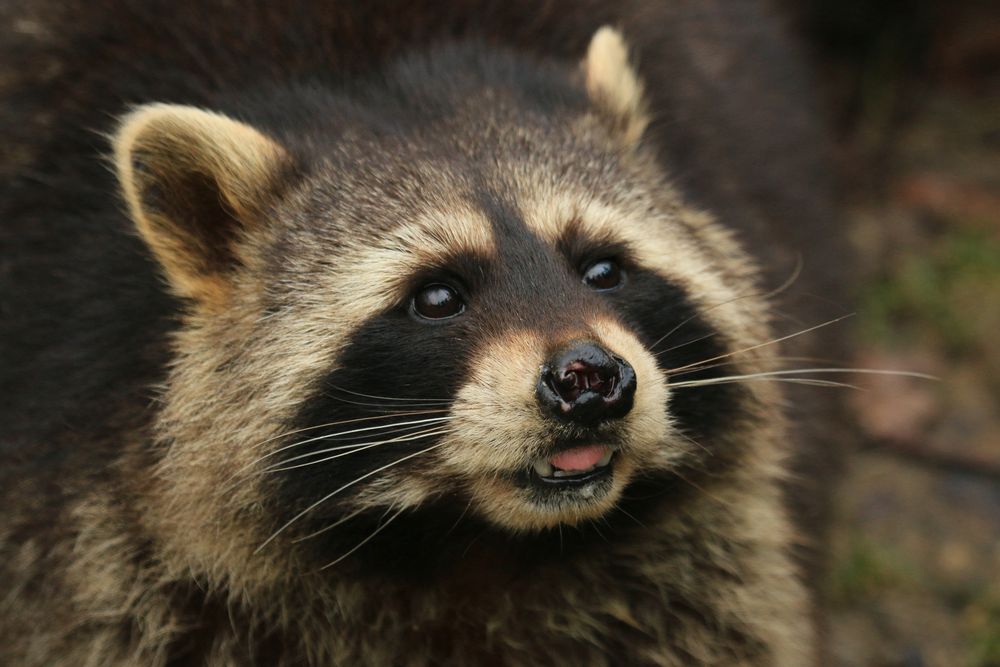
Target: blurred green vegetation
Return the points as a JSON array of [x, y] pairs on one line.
[[865, 570], [911, 91], [948, 295], [983, 620]]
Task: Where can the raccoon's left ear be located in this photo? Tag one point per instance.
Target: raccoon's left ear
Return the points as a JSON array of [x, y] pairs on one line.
[[613, 84], [197, 184]]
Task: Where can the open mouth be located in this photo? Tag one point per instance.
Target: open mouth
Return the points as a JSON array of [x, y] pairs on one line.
[[574, 467]]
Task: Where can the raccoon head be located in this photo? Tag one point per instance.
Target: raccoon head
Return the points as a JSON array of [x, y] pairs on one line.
[[462, 290]]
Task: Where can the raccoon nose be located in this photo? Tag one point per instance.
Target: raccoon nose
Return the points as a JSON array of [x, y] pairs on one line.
[[586, 384]]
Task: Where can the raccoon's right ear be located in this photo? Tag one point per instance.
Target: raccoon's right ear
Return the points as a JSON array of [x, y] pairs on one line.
[[614, 86], [197, 185]]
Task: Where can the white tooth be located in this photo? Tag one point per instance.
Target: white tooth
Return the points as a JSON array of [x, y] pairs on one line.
[[605, 460], [543, 468]]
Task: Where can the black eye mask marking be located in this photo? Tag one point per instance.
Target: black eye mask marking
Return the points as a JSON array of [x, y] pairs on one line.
[[665, 319], [398, 374], [395, 379], [654, 308]]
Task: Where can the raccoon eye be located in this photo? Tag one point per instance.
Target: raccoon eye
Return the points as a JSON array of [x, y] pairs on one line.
[[437, 302], [603, 275]]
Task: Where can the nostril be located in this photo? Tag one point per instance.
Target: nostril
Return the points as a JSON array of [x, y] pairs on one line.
[[578, 378], [587, 384], [567, 384]]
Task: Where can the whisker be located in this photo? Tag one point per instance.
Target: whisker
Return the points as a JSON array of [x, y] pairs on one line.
[[760, 345], [734, 362], [459, 519], [685, 344], [342, 422], [696, 443], [335, 436], [791, 280], [443, 401], [629, 515], [388, 429], [862, 371], [379, 529], [736, 379], [333, 525], [699, 488], [340, 489], [796, 272], [593, 524], [800, 371], [693, 317], [383, 406], [354, 449], [394, 428]]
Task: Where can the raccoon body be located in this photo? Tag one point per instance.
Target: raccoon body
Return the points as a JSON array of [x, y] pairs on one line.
[[398, 335]]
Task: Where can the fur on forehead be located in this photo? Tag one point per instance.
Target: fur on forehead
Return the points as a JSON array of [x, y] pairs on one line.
[[380, 260]]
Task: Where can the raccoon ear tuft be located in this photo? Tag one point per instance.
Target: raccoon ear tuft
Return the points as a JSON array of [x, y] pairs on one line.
[[613, 84], [196, 184]]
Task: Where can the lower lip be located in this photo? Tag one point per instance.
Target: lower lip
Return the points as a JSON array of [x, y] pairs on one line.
[[589, 477]]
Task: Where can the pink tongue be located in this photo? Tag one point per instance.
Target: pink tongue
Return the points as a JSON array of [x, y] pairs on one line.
[[579, 458]]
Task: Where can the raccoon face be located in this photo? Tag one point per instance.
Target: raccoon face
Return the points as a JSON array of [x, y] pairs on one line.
[[465, 286]]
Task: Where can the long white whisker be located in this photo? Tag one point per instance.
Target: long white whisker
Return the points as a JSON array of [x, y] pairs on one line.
[[393, 428], [686, 343], [629, 515], [734, 379], [865, 371], [442, 401], [384, 406], [796, 272], [696, 443], [354, 449], [802, 371], [760, 345], [345, 421], [734, 362], [379, 529], [693, 317], [333, 525], [342, 488], [396, 426]]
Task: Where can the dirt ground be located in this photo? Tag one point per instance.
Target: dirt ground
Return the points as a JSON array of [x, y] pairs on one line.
[[914, 98]]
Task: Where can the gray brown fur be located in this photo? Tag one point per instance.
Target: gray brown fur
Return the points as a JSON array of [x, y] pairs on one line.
[[133, 502]]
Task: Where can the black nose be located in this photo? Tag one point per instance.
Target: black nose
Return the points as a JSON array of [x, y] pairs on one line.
[[586, 384]]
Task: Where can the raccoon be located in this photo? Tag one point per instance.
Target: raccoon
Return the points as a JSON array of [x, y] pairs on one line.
[[399, 334]]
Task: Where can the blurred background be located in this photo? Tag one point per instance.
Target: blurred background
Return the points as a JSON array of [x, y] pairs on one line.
[[912, 89]]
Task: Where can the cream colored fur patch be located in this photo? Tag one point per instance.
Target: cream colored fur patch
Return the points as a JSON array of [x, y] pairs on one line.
[[170, 142], [613, 84]]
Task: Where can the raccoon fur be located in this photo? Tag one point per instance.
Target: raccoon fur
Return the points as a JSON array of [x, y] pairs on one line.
[[373, 333]]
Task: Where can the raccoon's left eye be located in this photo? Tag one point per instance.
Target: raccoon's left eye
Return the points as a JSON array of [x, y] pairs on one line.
[[437, 302], [603, 275]]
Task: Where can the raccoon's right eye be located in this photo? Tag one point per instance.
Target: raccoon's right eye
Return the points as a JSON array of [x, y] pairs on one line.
[[604, 275], [437, 302]]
